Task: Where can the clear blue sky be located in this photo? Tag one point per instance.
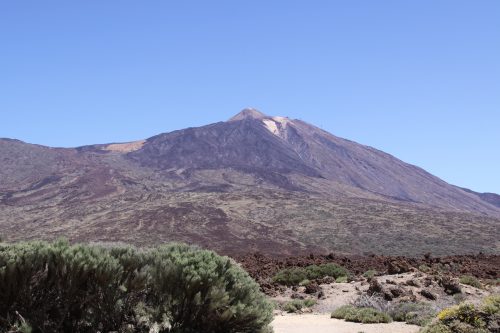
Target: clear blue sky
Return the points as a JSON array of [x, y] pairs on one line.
[[417, 79]]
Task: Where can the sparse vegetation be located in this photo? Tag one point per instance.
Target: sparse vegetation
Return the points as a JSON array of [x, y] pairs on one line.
[[298, 304], [471, 281], [57, 287], [424, 268], [370, 274], [467, 318], [416, 313], [361, 315], [294, 276], [459, 298]]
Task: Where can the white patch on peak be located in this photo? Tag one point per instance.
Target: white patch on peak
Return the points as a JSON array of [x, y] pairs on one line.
[[271, 126], [276, 125], [282, 120]]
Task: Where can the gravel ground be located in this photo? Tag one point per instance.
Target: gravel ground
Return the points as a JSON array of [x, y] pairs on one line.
[[308, 323]]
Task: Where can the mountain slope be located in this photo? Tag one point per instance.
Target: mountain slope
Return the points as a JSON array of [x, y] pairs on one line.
[[254, 182]]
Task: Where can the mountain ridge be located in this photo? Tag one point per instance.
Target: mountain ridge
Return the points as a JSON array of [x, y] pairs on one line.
[[212, 185]]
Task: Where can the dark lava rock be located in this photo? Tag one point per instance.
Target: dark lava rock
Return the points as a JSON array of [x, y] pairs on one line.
[[451, 286], [312, 288], [427, 294], [375, 287], [396, 292], [412, 283], [296, 296], [398, 267]]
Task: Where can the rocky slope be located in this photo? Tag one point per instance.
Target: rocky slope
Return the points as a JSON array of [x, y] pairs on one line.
[[255, 182]]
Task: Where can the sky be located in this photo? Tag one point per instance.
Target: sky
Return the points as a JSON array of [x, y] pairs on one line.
[[417, 79]]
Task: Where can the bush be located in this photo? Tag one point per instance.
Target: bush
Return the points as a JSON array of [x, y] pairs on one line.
[[375, 301], [471, 281], [56, 287], [467, 318], [491, 305], [199, 291], [360, 315], [370, 274], [298, 304], [294, 276], [424, 268], [342, 279], [412, 313]]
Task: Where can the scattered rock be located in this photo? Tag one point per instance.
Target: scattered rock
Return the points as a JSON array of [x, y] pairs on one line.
[[396, 292], [375, 287], [312, 288], [412, 283], [427, 294], [398, 267], [450, 285]]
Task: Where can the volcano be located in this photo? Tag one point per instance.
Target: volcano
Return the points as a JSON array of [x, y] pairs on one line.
[[251, 183]]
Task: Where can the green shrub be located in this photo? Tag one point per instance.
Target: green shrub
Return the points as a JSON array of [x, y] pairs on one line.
[[491, 305], [412, 313], [298, 304], [342, 279], [361, 315], [56, 287], [471, 281], [436, 328], [370, 274], [199, 291], [424, 268], [294, 276], [467, 318], [305, 282]]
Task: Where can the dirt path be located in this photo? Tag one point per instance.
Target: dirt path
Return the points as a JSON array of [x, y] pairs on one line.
[[308, 323]]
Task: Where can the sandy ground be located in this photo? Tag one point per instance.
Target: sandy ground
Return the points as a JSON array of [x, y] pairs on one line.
[[312, 323]]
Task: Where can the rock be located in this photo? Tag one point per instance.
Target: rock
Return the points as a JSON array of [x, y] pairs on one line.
[[296, 296], [396, 292], [312, 288], [398, 266], [327, 280], [408, 298], [375, 287], [412, 283], [390, 281], [427, 294], [451, 286]]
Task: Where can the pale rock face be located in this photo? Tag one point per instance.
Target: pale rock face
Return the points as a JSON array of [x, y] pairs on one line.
[[276, 125], [125, 147], [271, 126]]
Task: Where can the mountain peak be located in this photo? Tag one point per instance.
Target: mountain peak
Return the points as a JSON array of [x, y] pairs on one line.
[[248, 113]]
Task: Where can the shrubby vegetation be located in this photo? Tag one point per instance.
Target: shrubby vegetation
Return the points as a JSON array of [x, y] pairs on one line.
[[467, 318], [298, 304], [57, 287], [471, 281], [361, 315], [416, 313], [294, 276], [370, 274]]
